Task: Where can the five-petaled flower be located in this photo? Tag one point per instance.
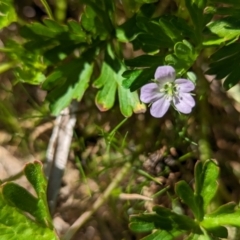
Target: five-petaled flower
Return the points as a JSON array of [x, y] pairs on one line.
[[166, 90]]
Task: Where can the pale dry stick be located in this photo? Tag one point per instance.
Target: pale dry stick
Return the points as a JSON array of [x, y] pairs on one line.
[[52, 145], [134, 196], [98, 203], [58, 152]]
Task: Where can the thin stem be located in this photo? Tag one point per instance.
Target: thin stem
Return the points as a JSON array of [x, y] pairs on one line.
[[12, 178], [81, 170], [204, 114], [186, 156], [48, 9], [145, 174], [101, 199], [112, 134]]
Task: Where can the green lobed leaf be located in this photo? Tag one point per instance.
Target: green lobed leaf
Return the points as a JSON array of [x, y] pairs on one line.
[[183, 57], [223, 219], [76, 32], [183, 27], [137, 78], [129, 101], [232, 79], [220, 65], [128, 30], [212, 41], [179, 65], [55, 26], [196, 237], [143, 222], [151, 44], [34, 174], [163, 32], [220, 232], [170, 30], [198, 177], [224, 209], [169, 220], [185, 51], [96, 18], [103, 10], [161, 234], [156, 235], [7, 13], [195, 9], [227, 28], [20, 198], [42, 30], [153, 36], [206, 176], [15, 225], [110, 81], [53, 40], [75, 80], [30, 64], [184, 191], [105, 97]]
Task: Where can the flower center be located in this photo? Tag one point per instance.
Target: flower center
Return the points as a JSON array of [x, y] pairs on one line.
[[170, 89]]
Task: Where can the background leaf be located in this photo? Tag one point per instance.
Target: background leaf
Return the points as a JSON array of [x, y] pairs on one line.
[[7, 13], [72, 84]]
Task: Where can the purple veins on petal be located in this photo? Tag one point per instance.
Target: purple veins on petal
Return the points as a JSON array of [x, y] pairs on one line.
[[184, 103], [160, 107], [184, 85], [150, 93], [165, 74]]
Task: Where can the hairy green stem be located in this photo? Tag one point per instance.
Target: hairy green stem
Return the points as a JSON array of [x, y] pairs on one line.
[[101, 199], [204, 114], [48, 9], [60, 10]]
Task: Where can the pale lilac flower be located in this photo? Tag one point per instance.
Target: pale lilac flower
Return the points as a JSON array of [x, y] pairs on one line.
[[166, 90]]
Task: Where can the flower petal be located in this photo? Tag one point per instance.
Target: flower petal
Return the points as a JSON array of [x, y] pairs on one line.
[[150, 93], [160, 107], [165, 74], [184, 85], [184, 103]]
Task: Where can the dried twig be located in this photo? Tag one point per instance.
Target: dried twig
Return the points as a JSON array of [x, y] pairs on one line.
[[86, 215], [58, 150], [134, 196]]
